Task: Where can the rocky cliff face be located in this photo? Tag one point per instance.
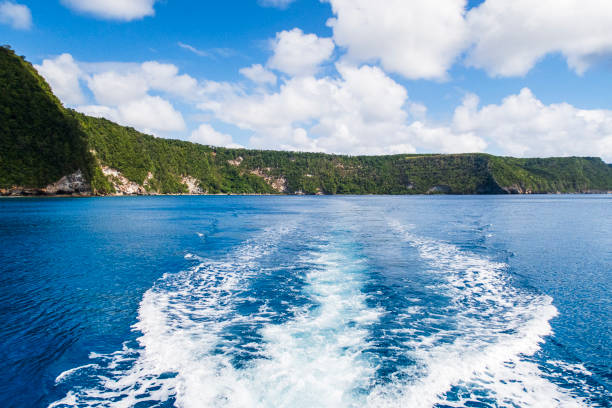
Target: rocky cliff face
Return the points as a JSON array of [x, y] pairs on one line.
[[122, 185], [277, 183], [193, 185], [516, 189], [73, 184]]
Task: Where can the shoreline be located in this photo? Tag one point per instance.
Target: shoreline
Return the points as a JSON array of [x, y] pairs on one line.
[[51, 196]]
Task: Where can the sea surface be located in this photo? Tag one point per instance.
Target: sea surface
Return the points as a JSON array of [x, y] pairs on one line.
[[473, 301]]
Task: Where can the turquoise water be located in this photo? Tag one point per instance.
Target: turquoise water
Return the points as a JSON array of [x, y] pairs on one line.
[[306, 302]]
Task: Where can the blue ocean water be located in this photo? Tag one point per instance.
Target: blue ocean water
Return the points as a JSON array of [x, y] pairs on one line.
[[442, 301]]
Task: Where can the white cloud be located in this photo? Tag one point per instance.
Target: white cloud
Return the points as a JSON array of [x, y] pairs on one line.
[[511, 36], [123, 10], [362, 112], [276, 3], [417, 39], [63, 75], [524, 126], [193, 49], [122, 91], [165, 78], [258, 74], [207, 135], [296, 53], [123, 95], [149, 114], [152, 113], [113, 88], [423, 39], [445, 139], [99, 111], [16, 15]]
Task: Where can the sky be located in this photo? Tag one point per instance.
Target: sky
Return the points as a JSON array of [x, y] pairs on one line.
[[517, 78]]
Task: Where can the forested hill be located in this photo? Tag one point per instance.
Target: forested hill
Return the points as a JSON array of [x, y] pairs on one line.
[[39, 141], [47, 149]]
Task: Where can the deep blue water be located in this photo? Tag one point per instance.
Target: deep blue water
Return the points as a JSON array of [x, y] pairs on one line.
[[306, 302]]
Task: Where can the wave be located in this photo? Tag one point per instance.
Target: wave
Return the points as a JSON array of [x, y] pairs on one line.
[[181, 320], [477, 349], [186, 355], [257, 329]]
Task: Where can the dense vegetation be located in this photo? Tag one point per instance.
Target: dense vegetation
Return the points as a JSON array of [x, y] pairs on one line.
[[41, 141], [222, 170], [566, 174], [135, 155]]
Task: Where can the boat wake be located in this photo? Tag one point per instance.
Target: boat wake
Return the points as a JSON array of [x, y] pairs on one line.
[[257, 329], [475, 350]]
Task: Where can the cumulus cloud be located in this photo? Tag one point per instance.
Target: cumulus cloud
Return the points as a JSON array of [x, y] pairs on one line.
[[63, 75], [99, 111], [423, 39], [511, 36], [122, 91], [16, 15], [417, 39], [299, 54], [113, 88], [521, 125], [166, 78], [362, 112], [258, 74], [149, 114], [207, 135], [123, 10], [125, 97]]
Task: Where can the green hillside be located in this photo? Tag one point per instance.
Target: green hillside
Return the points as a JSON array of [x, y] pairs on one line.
[[41, 141]]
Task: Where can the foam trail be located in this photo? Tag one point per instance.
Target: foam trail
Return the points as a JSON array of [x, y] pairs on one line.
[[314, 358], [180, 319], [481, 355]]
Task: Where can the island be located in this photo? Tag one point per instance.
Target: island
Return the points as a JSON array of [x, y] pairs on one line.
[[47, 149]]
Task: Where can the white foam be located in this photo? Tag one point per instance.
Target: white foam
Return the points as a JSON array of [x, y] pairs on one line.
[[317, 358], [68, 373], [312, 360], [495, 328], [180, 319]]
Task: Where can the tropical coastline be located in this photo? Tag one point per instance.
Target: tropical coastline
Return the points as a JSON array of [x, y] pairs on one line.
[[82, 155]]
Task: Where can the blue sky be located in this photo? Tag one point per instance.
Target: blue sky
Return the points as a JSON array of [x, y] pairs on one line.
[[381, 77]]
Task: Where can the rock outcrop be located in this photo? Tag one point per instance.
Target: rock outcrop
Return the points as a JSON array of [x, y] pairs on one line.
[[193, 185], [122, 185], [74, 183], [516, 189], [236, 162], [277, 183]]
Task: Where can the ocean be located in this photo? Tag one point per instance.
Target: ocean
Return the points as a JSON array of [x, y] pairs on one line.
[[376, 301]]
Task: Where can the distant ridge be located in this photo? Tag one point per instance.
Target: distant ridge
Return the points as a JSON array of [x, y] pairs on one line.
[[48, 149]]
